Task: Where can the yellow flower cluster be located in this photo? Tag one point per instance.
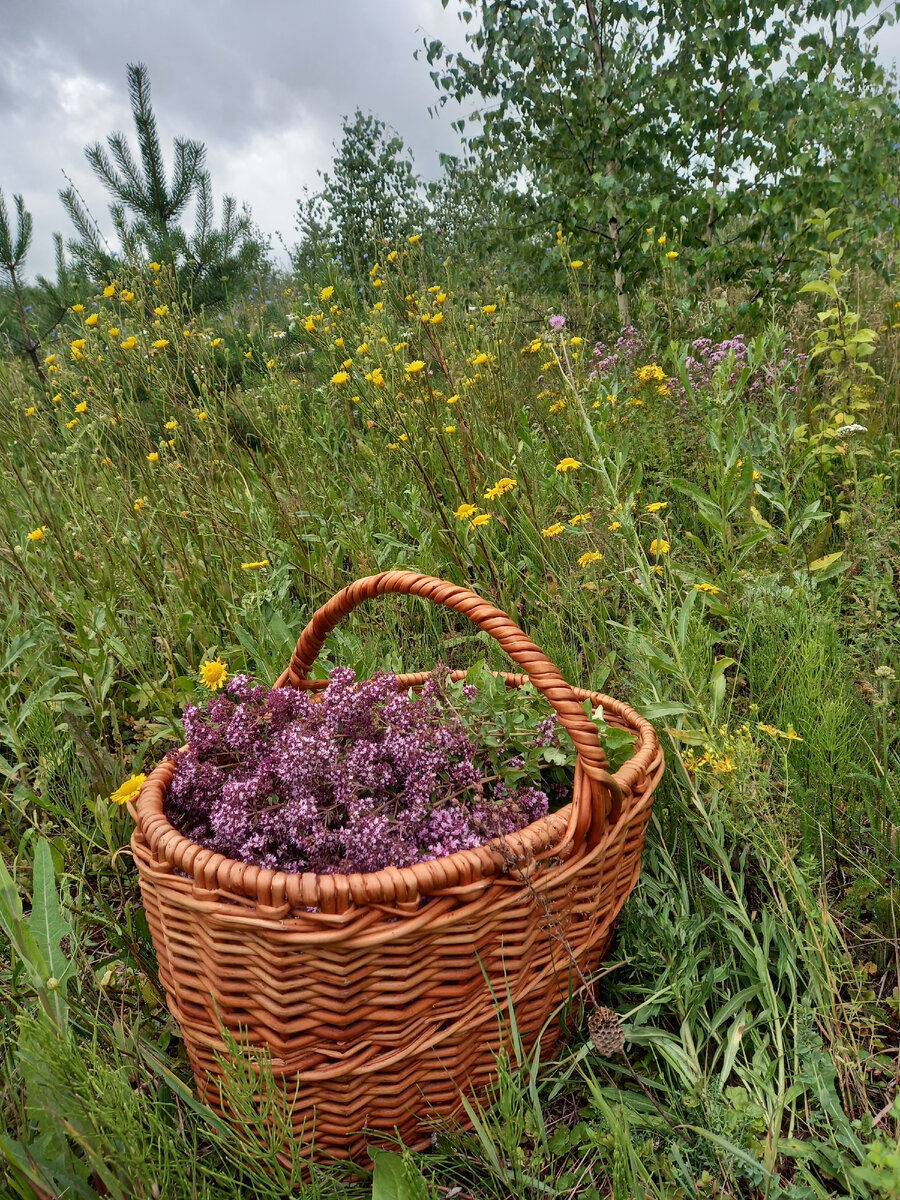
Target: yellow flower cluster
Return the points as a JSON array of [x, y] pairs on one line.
[[652, 373]]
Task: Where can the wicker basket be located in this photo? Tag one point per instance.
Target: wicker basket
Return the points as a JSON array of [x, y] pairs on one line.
[[381, 996]]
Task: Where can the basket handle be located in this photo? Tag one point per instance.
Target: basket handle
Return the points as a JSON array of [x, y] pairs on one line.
[[540, 670]]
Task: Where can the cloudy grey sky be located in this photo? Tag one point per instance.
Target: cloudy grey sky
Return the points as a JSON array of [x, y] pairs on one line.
[[264, 83]]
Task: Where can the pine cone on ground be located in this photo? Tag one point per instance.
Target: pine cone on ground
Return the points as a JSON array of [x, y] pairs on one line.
[[606, 1032]]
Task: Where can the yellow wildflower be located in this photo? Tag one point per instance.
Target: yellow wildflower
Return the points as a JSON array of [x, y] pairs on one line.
[[171, 424], [576, 265], [500, 488], [255, 566], [77, 308], [614, 526], [592, 556], [37, 535], [154, 266], [81, 406], [29, 412], [161, 310], [139, 504], [213, 674], [153, 456], [480, 359], [113, 331], [51, 358], [202, 416], [552, 530], [657, 507], [661, 239], [71, 424], [482, 520], [671, 254], [127, 297], [659, 546], [92, 320], [160, 344], [56, 399], [416, 237], [568, 464], [128, 790], [79, 344], [465, 511], [326, 293], [453, 399], [709, 588], [414, 367], [129, 343], [580, 518], [340, 377], [449, 429], [489, 309]]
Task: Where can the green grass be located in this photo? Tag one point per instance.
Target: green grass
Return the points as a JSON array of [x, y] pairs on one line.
[[755, 965]]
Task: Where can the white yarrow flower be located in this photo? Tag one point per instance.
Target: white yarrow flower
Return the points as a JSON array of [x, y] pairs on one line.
[[846, 430]]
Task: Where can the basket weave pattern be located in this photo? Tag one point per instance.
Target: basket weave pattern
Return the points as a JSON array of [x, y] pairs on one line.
[[380, 996]]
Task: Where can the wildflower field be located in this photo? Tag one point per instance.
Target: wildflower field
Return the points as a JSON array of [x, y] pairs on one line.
[[704, 524], [634, 382]]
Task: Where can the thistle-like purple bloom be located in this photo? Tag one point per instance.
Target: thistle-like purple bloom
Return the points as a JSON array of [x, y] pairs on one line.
[[557, 322], [355, 778]]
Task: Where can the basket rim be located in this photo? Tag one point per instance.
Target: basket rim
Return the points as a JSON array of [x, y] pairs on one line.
[[554, 834]]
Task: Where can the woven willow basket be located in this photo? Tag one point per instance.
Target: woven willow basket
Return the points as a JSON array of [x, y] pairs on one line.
[[380, 997]]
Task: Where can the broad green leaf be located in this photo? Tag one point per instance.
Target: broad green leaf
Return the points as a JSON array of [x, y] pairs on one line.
[[396, 1177], [47, 924], [821, 564]]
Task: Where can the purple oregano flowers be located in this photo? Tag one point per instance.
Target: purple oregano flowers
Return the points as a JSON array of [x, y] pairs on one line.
[[359, 777]]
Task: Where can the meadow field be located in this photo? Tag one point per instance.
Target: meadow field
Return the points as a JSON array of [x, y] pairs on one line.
[[698, 517], [629, 368]]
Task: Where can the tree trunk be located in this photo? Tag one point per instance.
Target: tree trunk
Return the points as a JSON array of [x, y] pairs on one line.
[[619, 272]]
